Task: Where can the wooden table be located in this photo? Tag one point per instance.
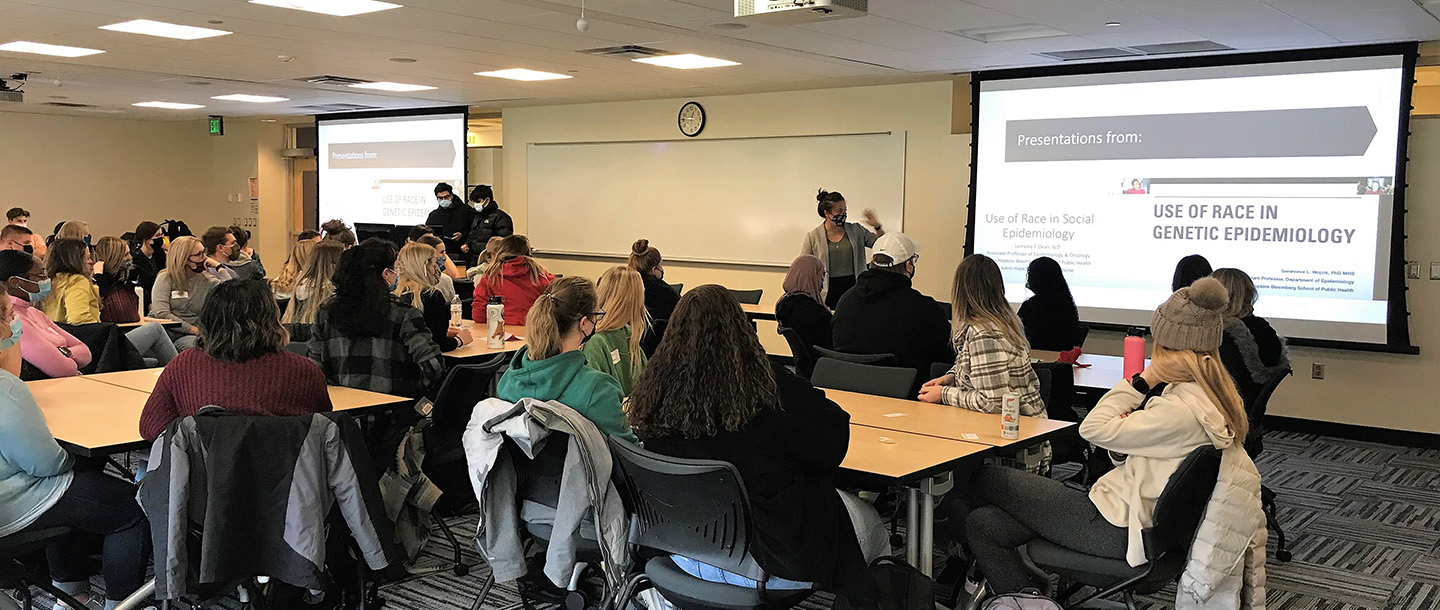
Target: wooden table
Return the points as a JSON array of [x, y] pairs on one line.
[[478, 349], [147, 319], [942, 421], [913, 461], [759, 312]]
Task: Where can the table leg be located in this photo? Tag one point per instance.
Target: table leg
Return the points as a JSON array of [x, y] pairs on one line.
[[912, 525], [927, 528]]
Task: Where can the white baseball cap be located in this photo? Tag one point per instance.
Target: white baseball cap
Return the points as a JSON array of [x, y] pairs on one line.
[[898, 246]]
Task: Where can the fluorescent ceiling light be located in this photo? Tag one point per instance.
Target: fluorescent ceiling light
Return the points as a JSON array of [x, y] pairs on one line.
[[162, 29], [40, 48], [167, 105], [523, 74], [256, 99], [687, 61], [338, 8], [389, 86]]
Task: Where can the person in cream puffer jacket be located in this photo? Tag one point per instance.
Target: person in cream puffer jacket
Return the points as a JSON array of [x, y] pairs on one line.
[[1183, 401]]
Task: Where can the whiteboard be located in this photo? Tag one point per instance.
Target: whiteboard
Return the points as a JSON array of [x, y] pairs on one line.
[[743, 200]]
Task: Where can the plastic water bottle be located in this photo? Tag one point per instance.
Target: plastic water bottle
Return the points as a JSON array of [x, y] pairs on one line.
[[495, 317], [1010, 415], [455, 317], [1134, 360], [140, 301]]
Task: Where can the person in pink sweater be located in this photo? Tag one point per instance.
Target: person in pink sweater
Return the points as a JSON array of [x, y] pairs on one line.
[[240, 364], [43, 343]]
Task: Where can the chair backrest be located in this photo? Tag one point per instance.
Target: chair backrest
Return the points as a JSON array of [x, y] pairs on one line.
[[297, 347], [1181, 504], [1057, 389], [1262, 399], [465, 385], [894, 382], [748, 297], [678, 288], [876, 359], [695, 508], [939, 369], [804, 354], [1043, 375]]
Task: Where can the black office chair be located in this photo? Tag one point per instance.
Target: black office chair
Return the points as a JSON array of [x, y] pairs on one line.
[[464, 386], [1254, 445], [15, 574], [1176, 518], [802, 352], [747, 297], [1057, 389], [678, 288], [875, 359], [939, 369], [697, 509], [894, 382]]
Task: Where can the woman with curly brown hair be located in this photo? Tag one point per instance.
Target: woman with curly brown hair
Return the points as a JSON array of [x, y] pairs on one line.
[[710, 393]]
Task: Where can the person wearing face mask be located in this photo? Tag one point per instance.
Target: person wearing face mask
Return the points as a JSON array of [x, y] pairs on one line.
[[243, 260], [180, 289], [365, 338], [840, 244], [219, 243], [43, 344], [20, 217], [16, 237], [453, 218], [147, 255], [551, 365], [884, 314], [490, 220]]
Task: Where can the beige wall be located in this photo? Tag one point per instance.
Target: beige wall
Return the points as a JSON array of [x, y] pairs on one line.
[[1386, 391]]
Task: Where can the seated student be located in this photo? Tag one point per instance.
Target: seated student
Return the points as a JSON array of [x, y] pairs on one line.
[[240, 364], [243, 259], [147, 254], [180, 289], [551, 365], [76, 299], [1050, 318], [446, 284], [119, 304], [40, 489], [803, 308], [883, 314], [73, 299], [1183, 401], [660, 298], [418, 231], [309, 235], [73, 229], [43, 344], [312, 289], [515, 277], [16, 237], [484, 259], [363, 338], [786, 439], [219, 242], [1251, 350], [418, 286], [337, 231], [300, 255], [615, 347], [20, 217], [1188, 270]]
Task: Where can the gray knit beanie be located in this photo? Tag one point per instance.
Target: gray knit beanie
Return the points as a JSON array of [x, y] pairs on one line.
[[1190, 319]]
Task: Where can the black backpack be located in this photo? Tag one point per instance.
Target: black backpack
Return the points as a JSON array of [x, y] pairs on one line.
[[175, 228]]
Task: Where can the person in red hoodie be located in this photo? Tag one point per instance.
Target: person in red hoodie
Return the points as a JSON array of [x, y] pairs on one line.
[[515, 277]]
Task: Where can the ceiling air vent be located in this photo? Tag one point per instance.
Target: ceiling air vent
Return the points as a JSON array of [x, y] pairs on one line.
[[1101, 53], [336, 107], [625, 51], [329, 79], [1198, 46]]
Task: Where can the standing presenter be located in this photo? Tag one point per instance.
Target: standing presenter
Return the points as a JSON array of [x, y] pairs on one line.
[[840, 244]]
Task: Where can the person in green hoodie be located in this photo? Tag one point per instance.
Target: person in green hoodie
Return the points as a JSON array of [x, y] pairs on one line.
[[615, 348], [551, 365]]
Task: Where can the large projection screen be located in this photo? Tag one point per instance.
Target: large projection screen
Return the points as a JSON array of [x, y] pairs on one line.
[[382, 167], [1289, 167]]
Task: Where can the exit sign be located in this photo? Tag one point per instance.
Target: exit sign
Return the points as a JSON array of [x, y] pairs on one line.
[[217, 125]]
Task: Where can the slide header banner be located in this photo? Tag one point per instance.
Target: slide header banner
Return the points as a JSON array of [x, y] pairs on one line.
[[1310, 132], [389, 155]]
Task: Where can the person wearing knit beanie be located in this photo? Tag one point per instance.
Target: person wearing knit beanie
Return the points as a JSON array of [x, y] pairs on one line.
[[1191, 319]]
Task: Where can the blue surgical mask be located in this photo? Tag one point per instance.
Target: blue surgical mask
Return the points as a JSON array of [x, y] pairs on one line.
[[445, 203], [14, 337], [42, 290]]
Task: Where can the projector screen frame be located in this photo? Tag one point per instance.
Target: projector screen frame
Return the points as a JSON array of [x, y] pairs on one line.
[[1397, 323], [384, 114]]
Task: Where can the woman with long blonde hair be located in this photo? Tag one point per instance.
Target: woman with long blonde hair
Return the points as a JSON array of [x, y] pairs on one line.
[[180, 289], [312, 289], [300, 254], [615, 348], [1183, 401], [515, 277], [418, 286]]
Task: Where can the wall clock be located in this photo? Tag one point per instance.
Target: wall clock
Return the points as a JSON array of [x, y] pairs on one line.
[[691, 119]]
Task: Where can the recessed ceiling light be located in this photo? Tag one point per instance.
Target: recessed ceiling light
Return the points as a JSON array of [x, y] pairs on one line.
[[256, 99], [687, 61], [1112, 24], [729, 25], [267, 120], [403, 60], [40, 48], [523, 74], [167, 105], [164, 30], [338, 8], [389, 86]]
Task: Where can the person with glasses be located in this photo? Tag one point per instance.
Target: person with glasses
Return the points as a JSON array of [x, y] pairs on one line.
[[180, 289], [551, 365], [43, 344]]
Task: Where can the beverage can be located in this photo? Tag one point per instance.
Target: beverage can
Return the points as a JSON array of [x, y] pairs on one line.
[[140, 300], [1010, 415], [495, 318]]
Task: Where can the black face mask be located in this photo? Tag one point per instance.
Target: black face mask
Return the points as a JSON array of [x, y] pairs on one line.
[[158, 244], [29, 249], [839, 220], [584, 337]]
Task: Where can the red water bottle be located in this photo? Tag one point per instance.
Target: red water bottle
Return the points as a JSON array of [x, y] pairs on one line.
[[1134, 353]]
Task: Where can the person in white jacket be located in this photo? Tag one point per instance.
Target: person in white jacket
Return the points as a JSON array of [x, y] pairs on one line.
[[1183, 401]]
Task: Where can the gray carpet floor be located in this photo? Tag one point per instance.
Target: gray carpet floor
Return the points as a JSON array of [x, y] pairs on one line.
[[1363, 521]]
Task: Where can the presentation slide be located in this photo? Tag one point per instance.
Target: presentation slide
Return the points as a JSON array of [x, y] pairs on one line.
[[384, 169], [1283, 170]]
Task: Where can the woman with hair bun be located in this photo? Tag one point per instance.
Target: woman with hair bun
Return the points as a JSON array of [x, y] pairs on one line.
[[840, 245], [660, 298]]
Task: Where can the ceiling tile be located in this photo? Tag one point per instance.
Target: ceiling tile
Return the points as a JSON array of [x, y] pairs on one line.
[[885, 32], [1245, 26], [941, 15]]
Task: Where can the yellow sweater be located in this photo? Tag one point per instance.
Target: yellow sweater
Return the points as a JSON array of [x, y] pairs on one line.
[[74, 299]]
